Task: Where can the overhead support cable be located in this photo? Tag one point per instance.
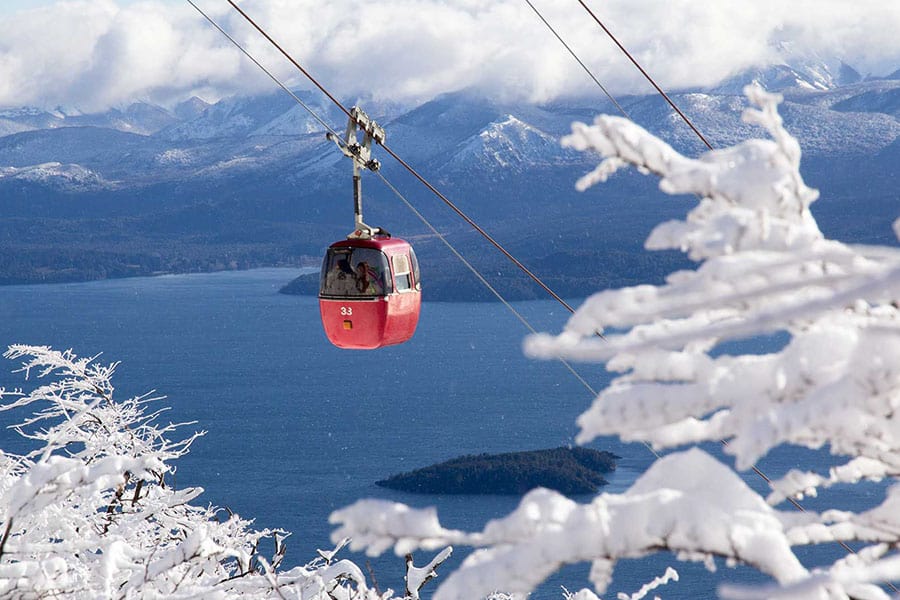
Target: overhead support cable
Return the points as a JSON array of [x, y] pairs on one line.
[[645, 74], [580, 62], [409, 168], [289, 57], [479, 229], [337, 139], [264, 70]]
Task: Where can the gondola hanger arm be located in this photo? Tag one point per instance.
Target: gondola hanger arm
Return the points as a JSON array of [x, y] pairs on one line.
[[361, 155]]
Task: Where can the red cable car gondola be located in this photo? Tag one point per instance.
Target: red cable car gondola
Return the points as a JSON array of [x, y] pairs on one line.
[[369, 291]]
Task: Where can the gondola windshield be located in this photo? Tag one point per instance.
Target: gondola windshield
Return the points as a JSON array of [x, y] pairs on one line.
[[355, 272]]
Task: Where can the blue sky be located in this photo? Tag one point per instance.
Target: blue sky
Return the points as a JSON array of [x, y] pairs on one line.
[[94, 54]]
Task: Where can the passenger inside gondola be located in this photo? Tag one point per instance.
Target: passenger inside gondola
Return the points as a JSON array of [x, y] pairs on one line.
[[340, 280], [368, 280]]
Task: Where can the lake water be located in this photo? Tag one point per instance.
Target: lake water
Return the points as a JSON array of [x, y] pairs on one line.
[[297, 428]]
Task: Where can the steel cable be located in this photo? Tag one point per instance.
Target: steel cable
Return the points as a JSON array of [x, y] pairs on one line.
[[646, 75], [412, 208], [411, 170]]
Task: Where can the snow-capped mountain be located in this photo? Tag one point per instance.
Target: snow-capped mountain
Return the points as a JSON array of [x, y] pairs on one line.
[[231, 117], [139, 117], [190, 109], [69, 177], [9, 127], [876, 96], [830, 110], [29, 118], [797, 69], [509, 144], [179, 188], [276, 114], [812, 76]]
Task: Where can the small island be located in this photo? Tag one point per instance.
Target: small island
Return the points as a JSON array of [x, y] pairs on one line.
[[570, 471]]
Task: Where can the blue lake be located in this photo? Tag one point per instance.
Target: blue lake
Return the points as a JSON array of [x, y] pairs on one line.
[[297, 428]]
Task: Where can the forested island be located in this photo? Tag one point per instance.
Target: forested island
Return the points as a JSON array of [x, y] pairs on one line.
[[570, 471]]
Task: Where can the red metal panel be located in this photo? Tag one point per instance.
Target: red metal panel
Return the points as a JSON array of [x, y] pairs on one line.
[[403, 316], [368, 322]]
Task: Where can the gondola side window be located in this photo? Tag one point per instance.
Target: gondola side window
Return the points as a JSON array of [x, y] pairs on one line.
[[354, 272], [400, 264], [414, 262]]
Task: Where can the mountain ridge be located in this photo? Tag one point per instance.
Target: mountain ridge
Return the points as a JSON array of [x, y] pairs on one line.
[[280, 198]]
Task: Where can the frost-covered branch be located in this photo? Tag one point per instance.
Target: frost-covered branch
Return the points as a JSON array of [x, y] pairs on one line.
[[670, 575], [764, 268], [416, 577], [671, 507], [87, 513]]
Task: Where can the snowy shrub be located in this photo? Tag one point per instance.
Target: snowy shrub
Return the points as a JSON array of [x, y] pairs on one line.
[[764, 267], [89, 511]]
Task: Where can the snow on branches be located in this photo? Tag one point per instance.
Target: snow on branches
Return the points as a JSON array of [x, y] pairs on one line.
[[764, 268], [88, 511], [671, 506]]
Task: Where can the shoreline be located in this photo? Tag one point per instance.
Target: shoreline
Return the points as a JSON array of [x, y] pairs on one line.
[[292, 273]]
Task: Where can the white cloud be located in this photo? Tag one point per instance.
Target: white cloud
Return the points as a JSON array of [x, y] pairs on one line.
[[91, 54]]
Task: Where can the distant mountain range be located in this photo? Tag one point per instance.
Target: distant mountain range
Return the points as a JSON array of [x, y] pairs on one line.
[[253, 181]]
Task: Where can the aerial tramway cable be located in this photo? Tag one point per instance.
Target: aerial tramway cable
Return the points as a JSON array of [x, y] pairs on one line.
[[405, 201], [645, 74], [580, 62], [336, 137], [409, 168], [237, 45], [590, 73]]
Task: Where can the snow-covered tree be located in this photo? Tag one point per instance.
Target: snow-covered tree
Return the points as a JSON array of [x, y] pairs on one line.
[[89, 512], [763, 267]]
